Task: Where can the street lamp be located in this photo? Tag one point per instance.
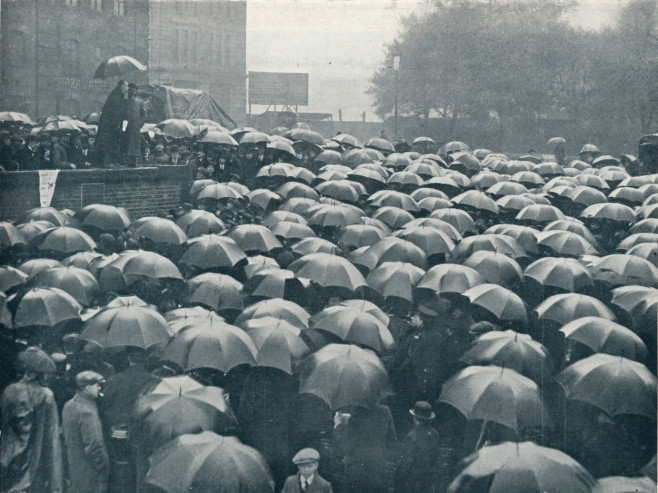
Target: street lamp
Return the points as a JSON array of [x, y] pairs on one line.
[[396, 68]]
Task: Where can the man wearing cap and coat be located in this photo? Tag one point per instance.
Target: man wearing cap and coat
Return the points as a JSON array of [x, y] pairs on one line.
[[131, 139], [88, 460], [419, 453], [307, 480], [30, 452]]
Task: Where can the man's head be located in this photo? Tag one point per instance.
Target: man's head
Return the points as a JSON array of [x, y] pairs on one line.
[[137, 356], [33, 141], [89, 383], [422, 412], [19, 409], [174, 152], [478, 328], [37, 364], [307, 460], [123, 85], [132, 90]]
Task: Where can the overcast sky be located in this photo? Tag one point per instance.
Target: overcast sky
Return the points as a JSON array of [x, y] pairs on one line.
[[340, 43]]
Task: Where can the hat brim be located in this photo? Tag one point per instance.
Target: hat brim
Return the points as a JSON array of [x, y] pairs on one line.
[[426, 418], [305, 461]]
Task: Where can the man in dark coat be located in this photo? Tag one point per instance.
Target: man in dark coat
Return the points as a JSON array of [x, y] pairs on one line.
[[31, 156], [88, 460], [77, 153], [110, 125], [30, 451], [131, 145], [307, 479], [419, 453], [367, 441], [264, 416], [59, 158], [123, 389]]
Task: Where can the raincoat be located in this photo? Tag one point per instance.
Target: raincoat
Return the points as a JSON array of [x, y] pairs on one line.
[[30, 451], [89, 463]]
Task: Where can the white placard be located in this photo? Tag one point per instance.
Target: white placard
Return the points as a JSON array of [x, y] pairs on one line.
[[47, 179]]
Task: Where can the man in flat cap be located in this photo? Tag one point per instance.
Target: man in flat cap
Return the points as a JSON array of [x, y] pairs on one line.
[[88, 460], [307, 479], [30, 452]]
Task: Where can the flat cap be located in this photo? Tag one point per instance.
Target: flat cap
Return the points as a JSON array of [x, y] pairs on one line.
[[306, 455], [88, 377]]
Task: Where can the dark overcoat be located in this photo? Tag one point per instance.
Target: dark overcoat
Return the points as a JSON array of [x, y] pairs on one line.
[[319, 485], [110, 123], [420, 451], [132, 139], [89, 464], [30, 460]]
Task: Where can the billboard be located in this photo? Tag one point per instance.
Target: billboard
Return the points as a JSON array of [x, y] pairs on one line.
[[278, 88]]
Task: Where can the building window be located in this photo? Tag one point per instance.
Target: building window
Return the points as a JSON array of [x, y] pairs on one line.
[[119, 7], [97, 5], [71, 3]]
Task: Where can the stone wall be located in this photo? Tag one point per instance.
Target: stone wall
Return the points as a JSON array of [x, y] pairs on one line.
[[142, 191]]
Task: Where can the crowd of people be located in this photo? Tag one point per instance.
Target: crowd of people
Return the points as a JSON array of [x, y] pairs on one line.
[[362, 317], [117, 137]]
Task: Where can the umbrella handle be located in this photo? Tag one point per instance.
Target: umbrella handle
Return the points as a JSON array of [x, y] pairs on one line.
[[479, 442]]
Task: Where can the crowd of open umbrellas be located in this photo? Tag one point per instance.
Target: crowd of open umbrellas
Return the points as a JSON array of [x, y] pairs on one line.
[[560, 260]]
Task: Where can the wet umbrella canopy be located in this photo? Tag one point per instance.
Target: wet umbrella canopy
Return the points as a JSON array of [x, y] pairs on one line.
[[46, 307], [512, 350], [206, 463], [136, 326], [166, 416], [118, 66], [210, 344], [493, 393], [612, 383], [280, 344], [328, 270], [522, 467], [354, 326], [344, 375]]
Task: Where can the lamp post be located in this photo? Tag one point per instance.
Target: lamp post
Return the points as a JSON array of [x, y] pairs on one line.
[[396, 68]]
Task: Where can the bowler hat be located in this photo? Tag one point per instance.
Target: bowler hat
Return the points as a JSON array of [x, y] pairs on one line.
[[423, 410], [306, 455], [88, 377]]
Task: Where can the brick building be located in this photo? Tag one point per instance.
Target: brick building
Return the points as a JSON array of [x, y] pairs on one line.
[[201, 44], [51, 48]]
